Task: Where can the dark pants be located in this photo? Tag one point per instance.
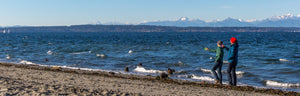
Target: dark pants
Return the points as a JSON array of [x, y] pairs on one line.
[[231, 73], [218, 65]]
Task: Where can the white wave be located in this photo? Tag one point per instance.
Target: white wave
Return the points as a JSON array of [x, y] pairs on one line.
[[204, 78], [205, 70], [284, 60], [237, 72], [183, 76], [27, 62], [143, 70], [225, 61], [101, 55], [50, 52], [281, 84], [130, 51], [8, 56], [76, 53]]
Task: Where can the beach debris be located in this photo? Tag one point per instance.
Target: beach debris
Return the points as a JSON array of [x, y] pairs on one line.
[[56, 68], [126, 69], [171, 71], [140, 64]]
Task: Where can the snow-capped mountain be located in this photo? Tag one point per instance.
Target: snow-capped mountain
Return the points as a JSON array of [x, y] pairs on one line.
[[182, 22], [287, 20]]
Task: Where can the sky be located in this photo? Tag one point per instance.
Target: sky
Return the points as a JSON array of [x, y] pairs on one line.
[[76, 12]]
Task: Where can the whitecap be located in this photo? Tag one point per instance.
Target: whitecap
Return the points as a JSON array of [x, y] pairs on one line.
[[8, 56], [205, 70], [130, 51], [76, 53], [50, 52], [183, 76], [143, 70], [204, 78], [284, 60], [101, 55], [209, 71], [27, 62], [281, 84], [225, 61]]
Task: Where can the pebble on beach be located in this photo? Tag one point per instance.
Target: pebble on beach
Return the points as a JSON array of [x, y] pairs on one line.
[[56, 68]]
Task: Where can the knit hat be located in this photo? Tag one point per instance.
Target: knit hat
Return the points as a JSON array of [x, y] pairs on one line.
[[233, 40]]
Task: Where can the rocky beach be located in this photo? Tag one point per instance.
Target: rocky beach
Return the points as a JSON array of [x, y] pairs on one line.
[[20, 79]]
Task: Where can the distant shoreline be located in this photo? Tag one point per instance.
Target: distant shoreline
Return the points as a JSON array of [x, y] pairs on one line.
[[65, 81], [144, 28]]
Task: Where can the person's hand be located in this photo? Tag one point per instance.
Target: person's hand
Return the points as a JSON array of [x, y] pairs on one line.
[[206, 49], [222, 46]]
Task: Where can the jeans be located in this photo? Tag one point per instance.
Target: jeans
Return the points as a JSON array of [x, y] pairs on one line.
[[219, 66], [231, 73]]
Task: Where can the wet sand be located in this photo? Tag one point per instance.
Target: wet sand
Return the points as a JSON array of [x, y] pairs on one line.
[[16, 79]]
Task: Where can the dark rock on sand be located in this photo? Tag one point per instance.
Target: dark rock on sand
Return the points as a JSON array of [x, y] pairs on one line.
[[126, 69], [112, 73], [171, 71], [163, 76]]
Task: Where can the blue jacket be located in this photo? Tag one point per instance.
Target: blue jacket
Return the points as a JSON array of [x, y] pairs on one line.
[[233, 53]]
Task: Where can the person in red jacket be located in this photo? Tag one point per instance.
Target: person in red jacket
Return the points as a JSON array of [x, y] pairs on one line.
[[232, 60]]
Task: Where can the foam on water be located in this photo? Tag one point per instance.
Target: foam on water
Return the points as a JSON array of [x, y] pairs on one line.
[[67, 67], [101, 55], [143, 70], [76, 53], [204, 78], [27, 62], [209, 71], [50, 52], [206, 70], [130, 51], [284, 60], [281, 84], [8, 56]]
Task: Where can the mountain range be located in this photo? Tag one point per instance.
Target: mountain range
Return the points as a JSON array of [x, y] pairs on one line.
[[287, 20]]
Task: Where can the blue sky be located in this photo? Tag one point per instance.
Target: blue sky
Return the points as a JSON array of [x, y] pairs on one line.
[[75, 12]]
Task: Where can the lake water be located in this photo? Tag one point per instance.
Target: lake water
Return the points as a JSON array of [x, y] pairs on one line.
[[266, 60]]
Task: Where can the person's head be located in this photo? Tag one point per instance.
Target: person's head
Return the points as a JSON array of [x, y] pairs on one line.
[[220, 43], [233, 40]]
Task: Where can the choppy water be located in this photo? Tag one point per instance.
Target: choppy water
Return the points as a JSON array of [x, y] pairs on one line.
[[265, 59]]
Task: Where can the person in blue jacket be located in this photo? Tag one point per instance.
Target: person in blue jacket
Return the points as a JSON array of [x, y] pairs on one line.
[[232, 60]]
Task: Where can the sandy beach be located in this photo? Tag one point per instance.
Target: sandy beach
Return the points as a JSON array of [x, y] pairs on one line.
[[16, 79]]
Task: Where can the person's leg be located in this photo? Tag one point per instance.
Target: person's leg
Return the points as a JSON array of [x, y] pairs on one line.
[[216, 65], [234, 74], [229, 68], [220, 72]]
